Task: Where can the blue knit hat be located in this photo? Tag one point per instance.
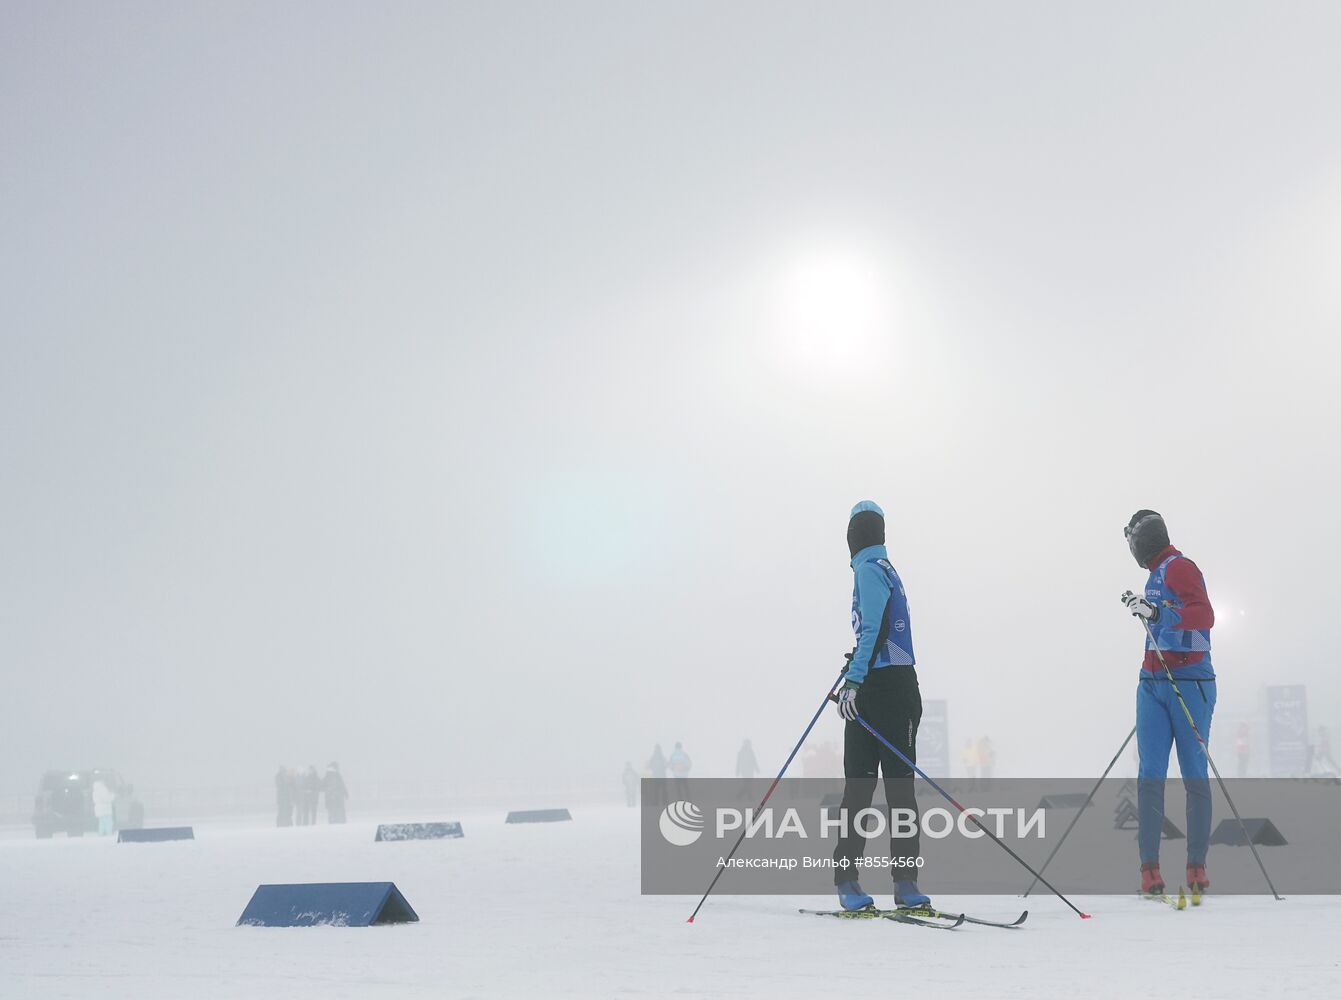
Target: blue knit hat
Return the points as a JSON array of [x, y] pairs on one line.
[[866, 505], [865, 527]]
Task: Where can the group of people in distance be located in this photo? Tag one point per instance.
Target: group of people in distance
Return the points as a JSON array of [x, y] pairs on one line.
[[677, 766], [297, 794]]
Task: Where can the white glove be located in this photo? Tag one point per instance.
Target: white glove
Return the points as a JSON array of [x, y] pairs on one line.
[[847, 701], [1140, 607]]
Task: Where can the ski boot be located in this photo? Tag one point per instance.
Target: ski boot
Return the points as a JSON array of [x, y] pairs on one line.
[[1152, 882], [1196, 878], [908, 897], [850, 896], [1198, 882]]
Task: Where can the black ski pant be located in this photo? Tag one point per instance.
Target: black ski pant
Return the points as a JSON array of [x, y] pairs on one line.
[[890, 701]]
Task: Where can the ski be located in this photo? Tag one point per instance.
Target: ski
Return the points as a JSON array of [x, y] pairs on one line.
[[1160, 897], [901, 918], [898, 916], [922, 911]]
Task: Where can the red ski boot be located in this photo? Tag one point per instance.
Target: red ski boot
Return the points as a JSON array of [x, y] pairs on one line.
[[1152, 882], [1196, 878]]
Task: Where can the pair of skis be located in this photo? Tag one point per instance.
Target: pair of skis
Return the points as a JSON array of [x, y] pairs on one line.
[[1178, 903], [919, 916]]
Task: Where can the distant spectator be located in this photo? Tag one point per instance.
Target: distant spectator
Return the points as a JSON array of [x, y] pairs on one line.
[[124, 807], [296, 777], [336, 793], [657, 762], [309, 794], [630, 779], [103, 800], [656, 769], [1324, 751], [680, 765], [284, 796], [968, 757], [986, 758], [746, 766]]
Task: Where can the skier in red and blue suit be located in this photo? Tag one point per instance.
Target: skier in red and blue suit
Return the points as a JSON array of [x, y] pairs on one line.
[[1177, 609]]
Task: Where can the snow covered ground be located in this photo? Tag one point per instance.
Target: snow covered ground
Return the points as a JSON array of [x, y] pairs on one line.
[[554, 911]]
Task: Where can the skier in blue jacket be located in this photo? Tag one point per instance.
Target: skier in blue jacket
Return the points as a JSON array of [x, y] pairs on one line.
[[881, 684]]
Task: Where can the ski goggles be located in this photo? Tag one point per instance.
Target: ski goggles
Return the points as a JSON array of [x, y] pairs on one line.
[[1132, 529]]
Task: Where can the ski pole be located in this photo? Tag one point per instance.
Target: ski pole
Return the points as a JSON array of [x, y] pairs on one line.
[[951, 799], [1088, 799], [1209, 759], [786, 764]]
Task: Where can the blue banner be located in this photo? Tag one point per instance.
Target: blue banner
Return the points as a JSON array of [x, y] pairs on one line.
[[1287, 730], [933, 738]]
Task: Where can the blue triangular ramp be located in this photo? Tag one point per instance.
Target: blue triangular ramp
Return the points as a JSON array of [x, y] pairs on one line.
[[1260, 829], [341, 904], [538, 816], [153, 835], [418, 831]]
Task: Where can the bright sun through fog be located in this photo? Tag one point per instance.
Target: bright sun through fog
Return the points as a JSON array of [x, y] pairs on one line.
[[834, 307]]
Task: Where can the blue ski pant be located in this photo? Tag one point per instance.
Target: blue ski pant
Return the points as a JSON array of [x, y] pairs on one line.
[[1161, 725]]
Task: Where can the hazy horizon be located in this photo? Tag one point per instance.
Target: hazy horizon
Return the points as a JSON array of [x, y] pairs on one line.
[[480, 391]]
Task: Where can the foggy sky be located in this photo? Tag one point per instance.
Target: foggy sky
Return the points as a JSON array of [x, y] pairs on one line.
[[437, 387]]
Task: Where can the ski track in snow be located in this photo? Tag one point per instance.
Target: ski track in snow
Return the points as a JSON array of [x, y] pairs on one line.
[[553, 910]]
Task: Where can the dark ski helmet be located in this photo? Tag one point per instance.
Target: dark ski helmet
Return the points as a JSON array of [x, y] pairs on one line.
[[865, 527], [1146, 536]]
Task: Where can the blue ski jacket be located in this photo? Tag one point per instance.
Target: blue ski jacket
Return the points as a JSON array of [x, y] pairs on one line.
[[879, 616]]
